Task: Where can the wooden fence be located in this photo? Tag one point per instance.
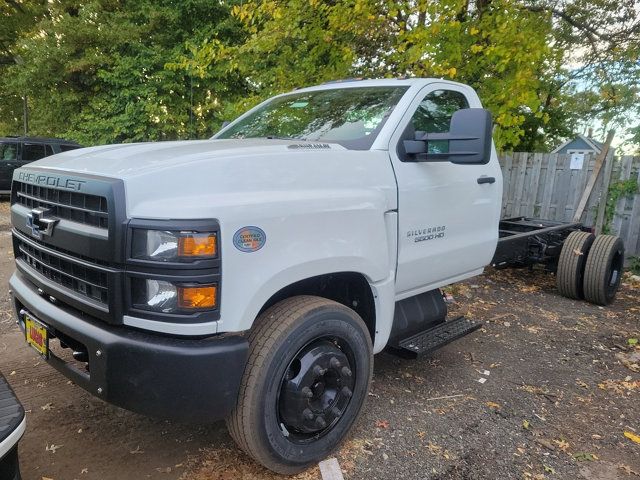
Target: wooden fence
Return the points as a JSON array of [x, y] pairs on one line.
[[544, 185]]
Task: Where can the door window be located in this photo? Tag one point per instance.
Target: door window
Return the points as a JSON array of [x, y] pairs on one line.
[[32, 152], [8, 152], [434, 113]]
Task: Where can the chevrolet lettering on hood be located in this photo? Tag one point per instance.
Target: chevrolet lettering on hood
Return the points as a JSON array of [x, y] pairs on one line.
[[51, 181]]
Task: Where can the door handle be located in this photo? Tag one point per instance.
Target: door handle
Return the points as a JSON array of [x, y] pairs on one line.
[[485, 179]]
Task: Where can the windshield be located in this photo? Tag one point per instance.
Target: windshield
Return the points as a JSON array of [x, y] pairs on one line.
[[349, 116]]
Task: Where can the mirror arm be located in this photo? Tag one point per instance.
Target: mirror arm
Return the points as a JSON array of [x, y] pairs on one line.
[[436, 157], [415, 147], [424, 157], [445, 136]]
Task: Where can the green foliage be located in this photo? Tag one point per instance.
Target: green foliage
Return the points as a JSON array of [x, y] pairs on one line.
[[500, 50], [102, 71], [97, 72], [617, 190], [513, 52], [634, 267]]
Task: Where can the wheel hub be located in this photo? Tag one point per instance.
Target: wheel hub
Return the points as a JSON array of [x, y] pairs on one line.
[[316, 388]]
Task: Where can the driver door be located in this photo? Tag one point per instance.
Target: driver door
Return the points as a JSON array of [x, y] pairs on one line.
[[447, 220]]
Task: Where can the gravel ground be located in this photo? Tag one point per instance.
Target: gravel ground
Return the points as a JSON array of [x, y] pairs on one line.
[[543, 391]]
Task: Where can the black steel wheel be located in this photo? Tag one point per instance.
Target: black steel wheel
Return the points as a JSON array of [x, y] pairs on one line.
[[316, 389], [603, 270], [573, 257], [307, 377]]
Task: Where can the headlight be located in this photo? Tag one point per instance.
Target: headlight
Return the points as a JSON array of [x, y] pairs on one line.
[[167, 297], [169, 246]]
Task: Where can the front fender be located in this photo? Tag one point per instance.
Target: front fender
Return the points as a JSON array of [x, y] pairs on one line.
[[249, 279]]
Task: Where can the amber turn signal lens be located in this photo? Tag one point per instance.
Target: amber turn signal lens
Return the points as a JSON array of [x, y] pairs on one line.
[[190, 298], [197, 245]]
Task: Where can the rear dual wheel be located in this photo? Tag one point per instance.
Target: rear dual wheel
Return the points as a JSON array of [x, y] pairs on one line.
[[603, 269], [571, 264], [307, 377], [590, 267]]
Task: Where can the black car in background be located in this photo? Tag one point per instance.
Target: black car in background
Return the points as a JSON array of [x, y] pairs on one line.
[[18, 151], [12, 426]]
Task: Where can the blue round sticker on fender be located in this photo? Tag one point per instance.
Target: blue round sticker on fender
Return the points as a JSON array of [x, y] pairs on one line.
[[249, 239]]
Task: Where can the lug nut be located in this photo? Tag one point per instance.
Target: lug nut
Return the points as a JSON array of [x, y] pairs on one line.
[[318, 371], [320, 421], [306, 391], [346, 391], [346, 371], [336, 411], [335, 363], [308, 414]]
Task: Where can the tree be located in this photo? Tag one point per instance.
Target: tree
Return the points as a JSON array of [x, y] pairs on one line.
[[102, 71], [96, 72], [528, 60], [17, 18]]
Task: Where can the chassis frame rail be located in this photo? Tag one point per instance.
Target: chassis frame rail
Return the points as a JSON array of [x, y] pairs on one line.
[[525, 241]]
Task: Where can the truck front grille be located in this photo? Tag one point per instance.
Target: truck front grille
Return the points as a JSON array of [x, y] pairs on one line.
[[75, 206], [81, 278]]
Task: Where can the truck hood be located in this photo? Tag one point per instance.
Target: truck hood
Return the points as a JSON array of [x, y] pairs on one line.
[[180, 179], [130, 160]]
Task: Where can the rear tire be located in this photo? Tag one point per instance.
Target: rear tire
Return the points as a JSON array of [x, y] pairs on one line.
[[603, 270], [307, 376], [571, 264]]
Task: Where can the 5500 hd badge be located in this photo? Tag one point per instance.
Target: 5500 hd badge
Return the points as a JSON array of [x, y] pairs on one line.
[[429, 233]]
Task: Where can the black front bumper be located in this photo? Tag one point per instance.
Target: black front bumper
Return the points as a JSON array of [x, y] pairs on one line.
[[156, 375]]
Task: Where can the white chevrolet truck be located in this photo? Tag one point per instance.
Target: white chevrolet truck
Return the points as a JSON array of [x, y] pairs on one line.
[[252, 277]]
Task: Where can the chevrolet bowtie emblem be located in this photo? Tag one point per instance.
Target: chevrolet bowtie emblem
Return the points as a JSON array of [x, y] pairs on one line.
[[40, 223]]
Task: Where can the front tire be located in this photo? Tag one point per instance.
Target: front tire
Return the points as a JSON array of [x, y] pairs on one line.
[[307, 376]]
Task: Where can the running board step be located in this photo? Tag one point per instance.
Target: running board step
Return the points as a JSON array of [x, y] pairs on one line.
[[429, 340]]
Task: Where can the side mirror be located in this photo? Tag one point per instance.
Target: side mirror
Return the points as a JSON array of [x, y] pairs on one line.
[[469, 139]]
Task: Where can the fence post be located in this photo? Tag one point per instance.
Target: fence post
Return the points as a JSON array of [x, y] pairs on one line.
[[594, 176], [632, 243], [604, 192], [549, 186], [625, 173]]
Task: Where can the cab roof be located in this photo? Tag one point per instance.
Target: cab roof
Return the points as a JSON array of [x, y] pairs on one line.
[[37, 140], [381, 82]]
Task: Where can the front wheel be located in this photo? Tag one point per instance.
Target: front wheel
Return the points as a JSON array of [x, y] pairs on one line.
[[307, 377]]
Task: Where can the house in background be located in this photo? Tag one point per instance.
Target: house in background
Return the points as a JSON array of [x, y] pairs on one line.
[[584, 144]]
